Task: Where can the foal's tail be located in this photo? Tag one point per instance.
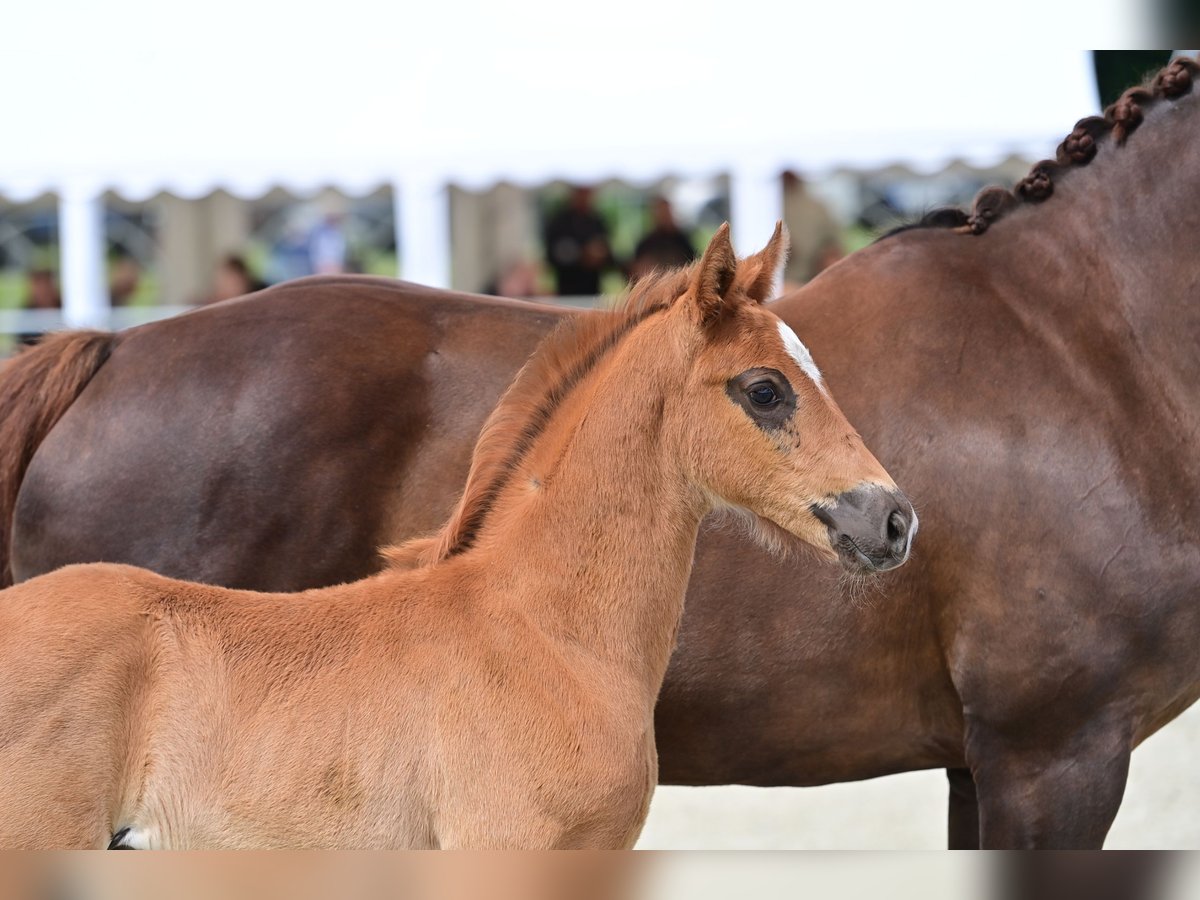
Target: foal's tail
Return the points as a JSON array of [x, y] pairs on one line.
[[36, 388]]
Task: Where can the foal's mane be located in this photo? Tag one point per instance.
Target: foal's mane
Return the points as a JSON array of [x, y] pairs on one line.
[[1078, 149], [559, 363]]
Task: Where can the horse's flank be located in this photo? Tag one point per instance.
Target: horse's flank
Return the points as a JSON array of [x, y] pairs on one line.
[[40, 385]]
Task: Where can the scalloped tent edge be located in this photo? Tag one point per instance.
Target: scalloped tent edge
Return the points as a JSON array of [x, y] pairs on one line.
[[382, 106]]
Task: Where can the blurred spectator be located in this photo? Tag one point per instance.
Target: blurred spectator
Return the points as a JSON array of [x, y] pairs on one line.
[[291, 256], [41, 292], [664, 246], [123, 280], [577, 246], [816, 236], [521, 281], [327, 246], [232, 279]]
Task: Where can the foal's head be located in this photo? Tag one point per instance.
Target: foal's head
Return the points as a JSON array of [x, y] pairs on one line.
[[758, 427]]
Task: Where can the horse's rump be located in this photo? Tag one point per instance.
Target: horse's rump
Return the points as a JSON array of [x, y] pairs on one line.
[[36, 388]]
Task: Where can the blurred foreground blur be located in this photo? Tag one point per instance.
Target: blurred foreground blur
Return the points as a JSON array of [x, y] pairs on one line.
[[601, 876]]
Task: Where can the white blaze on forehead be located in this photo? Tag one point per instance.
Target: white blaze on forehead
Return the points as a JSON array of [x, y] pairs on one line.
[[797, 351]]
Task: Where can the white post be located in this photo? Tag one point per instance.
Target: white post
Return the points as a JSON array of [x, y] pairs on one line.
[[755, 205], [182, 256], [422, 205], [81, 249]]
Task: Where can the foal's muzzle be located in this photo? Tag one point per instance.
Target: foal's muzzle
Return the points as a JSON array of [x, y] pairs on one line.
[[871, 527]]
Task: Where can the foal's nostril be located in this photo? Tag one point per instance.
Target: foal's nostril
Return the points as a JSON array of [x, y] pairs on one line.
[[897, 527]]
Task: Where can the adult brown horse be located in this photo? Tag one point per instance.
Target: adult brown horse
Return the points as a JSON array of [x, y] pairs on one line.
[[1047, 360]]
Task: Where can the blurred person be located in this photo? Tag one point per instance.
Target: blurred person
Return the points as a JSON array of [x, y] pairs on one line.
[[521, 280], [232, 278], [577, 247], [816, 235], [664, 246], [41, 292], [123, 280], [290, 256], [327, 246]]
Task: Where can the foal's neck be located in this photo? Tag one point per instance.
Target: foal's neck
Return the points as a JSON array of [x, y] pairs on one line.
[[593, 538]]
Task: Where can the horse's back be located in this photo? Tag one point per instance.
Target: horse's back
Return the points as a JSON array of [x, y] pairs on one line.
[[218, 446]]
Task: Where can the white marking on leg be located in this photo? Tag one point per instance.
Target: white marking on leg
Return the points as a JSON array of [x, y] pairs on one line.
[[796, 349]]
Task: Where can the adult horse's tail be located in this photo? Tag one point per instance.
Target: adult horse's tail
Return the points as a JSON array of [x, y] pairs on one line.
[[36, 388]]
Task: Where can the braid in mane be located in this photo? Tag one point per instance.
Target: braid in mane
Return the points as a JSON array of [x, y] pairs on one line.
[[556, 367], [1078, 149]]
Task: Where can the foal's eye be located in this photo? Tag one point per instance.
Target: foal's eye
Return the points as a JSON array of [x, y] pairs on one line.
[[763, 394]]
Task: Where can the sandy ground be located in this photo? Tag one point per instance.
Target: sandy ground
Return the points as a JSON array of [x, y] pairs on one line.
[[907, 812]]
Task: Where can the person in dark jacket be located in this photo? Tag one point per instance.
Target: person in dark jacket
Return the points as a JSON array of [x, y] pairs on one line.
[[665, 246], [577, 247]]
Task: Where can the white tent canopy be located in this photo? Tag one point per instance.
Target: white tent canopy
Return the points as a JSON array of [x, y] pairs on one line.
[[141, 96]]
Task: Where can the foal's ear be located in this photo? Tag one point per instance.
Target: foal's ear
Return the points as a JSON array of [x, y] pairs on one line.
[[713, 278], [759, 275]]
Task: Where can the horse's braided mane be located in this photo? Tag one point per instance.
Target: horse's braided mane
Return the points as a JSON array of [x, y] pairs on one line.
[[1078, 149], [556, 367]]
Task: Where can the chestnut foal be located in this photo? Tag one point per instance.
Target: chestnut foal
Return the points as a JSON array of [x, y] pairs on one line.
[[495, 687]]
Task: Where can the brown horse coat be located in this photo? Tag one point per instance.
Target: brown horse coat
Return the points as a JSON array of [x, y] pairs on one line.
[[1047, 367]]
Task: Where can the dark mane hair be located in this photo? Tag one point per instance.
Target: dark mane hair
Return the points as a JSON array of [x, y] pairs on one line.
[[1078, 149], [556, 367]]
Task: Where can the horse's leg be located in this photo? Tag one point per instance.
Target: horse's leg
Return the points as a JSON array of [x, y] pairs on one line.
[[1051, 795], [964, 810]]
